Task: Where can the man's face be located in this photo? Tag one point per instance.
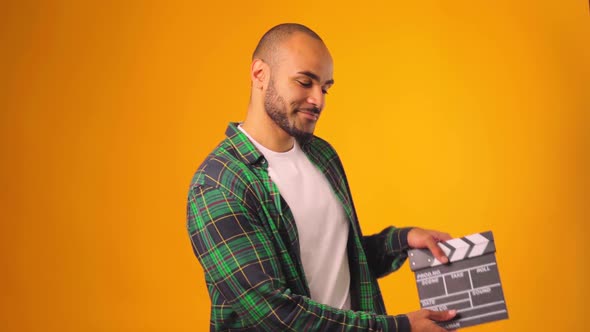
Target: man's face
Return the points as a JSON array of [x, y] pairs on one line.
[[299, 81]]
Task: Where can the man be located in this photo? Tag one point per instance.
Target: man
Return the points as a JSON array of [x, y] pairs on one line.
[[271, 217]]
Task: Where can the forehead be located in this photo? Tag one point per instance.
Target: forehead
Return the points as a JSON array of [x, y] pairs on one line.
[[301, 53]]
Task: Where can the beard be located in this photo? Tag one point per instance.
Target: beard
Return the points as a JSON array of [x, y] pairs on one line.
[[277, 109]]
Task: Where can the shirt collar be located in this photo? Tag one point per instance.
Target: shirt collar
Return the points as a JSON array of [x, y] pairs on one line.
[[246, 150]]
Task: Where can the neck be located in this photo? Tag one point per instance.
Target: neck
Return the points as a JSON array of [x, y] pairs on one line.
[[265, 131]]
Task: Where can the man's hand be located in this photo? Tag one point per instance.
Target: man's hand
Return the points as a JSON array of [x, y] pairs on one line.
[[423, 320], [423, 238]]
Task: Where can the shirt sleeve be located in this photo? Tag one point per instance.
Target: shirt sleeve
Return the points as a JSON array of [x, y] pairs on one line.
[[386, 251], [242, 266]]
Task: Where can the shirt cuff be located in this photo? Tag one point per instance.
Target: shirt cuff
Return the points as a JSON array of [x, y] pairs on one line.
[[399, 240], [401, 323]]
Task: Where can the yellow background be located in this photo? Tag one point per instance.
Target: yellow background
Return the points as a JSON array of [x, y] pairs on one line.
[[463, 116]]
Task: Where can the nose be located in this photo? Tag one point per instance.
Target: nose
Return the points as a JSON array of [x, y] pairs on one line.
[[316, 97]]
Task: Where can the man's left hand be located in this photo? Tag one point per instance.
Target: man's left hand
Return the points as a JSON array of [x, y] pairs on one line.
[[424, 238]]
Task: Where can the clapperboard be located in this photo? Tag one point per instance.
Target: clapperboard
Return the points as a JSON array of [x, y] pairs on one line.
[[470, 283]]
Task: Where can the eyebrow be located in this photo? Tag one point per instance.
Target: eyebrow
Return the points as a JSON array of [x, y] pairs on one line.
[[315, 77]]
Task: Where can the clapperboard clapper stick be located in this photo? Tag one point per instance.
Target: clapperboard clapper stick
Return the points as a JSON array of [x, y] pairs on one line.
[[470, 283]]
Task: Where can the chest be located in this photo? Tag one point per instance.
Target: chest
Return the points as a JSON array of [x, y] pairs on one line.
[[311, 199]]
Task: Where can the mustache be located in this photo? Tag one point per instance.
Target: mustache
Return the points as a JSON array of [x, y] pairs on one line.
[[314, 110]]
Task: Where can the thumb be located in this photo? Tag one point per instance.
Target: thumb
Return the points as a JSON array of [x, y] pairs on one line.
[[437, 251], [442, 315]]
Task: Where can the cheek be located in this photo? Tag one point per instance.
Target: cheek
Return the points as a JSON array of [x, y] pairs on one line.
[[293, 91], [293, 95], [296, 97]]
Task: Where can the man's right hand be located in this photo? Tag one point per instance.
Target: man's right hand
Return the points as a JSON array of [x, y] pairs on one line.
[[424, 320]]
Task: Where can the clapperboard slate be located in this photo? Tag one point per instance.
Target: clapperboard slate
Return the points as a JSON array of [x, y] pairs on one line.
[[470, 283]]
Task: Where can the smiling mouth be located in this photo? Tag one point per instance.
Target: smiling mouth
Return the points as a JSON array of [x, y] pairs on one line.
[[310, 114]]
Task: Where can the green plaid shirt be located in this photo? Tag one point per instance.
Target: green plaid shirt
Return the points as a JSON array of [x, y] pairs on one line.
[[244, 236]]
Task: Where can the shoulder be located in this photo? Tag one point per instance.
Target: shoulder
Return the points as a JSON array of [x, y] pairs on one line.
[[224, 169], [320, 146], [220, 161], [322, 151]]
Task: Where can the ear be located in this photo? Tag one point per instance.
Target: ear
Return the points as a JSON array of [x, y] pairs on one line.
[[259, 73]]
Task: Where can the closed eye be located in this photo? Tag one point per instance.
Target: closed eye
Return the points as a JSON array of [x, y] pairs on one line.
[[305, 84], [309, 85]]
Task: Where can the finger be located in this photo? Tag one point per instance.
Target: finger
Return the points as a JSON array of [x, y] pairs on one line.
[[437, 251], [442, 315], [443, 236]]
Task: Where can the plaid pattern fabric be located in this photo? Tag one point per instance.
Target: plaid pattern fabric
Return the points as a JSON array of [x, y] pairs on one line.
[[245, 237]]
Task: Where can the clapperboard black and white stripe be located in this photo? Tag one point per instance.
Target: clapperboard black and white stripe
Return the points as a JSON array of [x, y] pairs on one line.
[[470, 283]]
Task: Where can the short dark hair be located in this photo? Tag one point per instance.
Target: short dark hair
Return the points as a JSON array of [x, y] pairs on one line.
[[276, 35]]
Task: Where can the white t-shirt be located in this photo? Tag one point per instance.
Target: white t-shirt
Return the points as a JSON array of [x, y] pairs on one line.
[[321, 222]]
